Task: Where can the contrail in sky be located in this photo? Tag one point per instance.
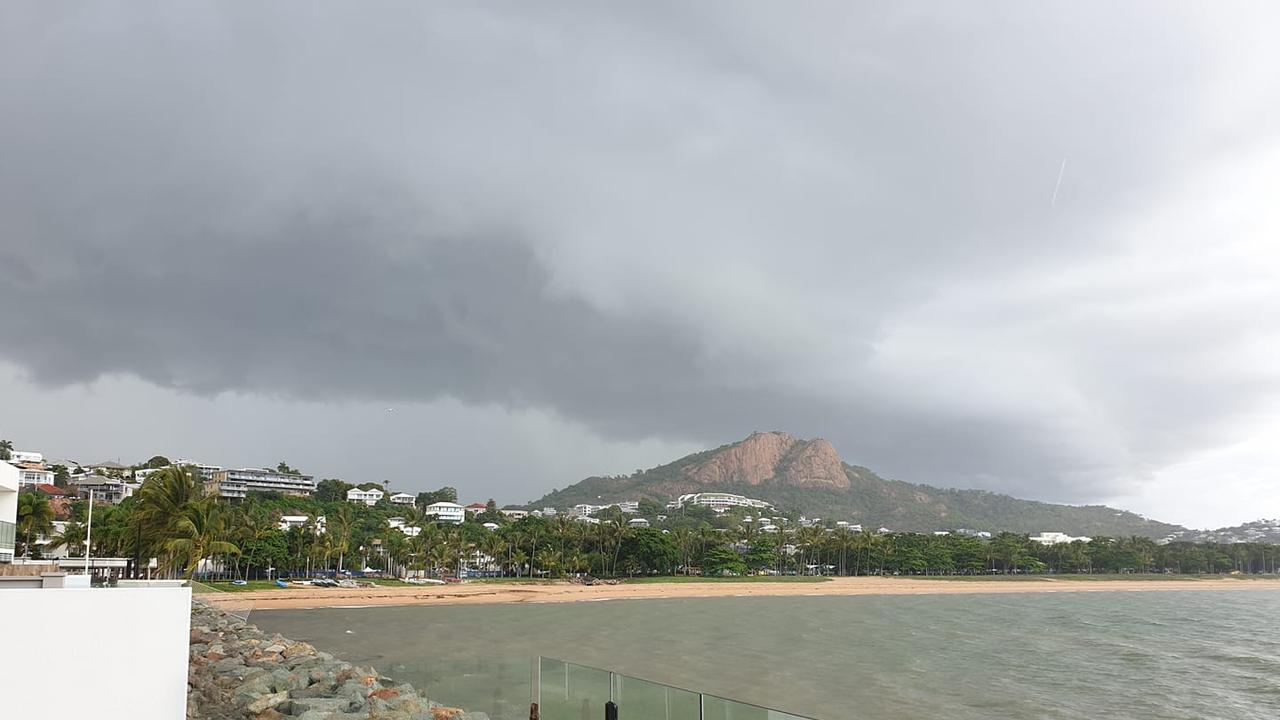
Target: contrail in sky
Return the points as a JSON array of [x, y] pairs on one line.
[[1058, 184]]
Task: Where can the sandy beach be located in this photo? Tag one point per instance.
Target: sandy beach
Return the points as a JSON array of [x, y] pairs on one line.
[[483, 593]]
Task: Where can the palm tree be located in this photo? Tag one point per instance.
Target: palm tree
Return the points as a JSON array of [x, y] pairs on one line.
[[253, 527], [163, 497], [35, 517], [843, 540], [339, 534], [72, 537], [198, 534], [684, 541], [517, 560], [492, 546], [6, 449]]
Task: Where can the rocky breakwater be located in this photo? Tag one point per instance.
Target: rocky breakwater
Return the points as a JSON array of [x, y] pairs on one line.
[[238, 672]]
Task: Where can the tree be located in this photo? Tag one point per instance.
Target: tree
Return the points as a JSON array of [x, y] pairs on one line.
[[72, 537], [331, 490], [161, 501], [721, 560], [339, 533], [6, 449], [283, 467], [61, 477], [35, 517], [198, 534], [156, 462], [650, 550], [444, 494], [649, 509]]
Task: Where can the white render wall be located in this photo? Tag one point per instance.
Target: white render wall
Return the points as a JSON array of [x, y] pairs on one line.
[[104, 653], [8, 492]]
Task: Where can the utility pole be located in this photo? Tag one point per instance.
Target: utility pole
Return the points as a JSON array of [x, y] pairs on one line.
[[88, 542]]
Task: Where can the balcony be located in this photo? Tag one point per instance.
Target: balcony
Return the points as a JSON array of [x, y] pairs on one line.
[[8, 533]]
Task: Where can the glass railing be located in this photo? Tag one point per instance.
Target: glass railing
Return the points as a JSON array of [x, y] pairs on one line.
[[567, 691], [7, 534]]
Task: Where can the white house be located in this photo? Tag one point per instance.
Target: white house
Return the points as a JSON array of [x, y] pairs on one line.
[[445, 512], [8, 510], [397, 523], [368, 497], [638, 523], [19, 457], [515, 514], [293, 521], [717, 501], [1055, 538], [34, 474], [402, 499]]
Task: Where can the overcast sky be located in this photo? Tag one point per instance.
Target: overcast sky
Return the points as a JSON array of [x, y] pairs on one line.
[[502, 246]]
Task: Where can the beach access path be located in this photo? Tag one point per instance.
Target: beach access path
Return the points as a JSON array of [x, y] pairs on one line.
[[558, 592]]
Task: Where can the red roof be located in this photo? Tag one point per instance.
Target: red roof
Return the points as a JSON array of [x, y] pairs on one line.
[[476, 506], [54, 490]]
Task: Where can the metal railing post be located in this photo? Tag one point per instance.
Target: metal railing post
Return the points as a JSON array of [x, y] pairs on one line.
[[535, 691]]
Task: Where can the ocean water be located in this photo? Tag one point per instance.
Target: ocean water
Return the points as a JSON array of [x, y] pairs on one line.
[[1061, 656]]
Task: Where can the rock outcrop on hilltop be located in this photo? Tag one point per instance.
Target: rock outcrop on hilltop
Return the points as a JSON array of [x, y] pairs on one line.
[[773, 456], [236, 672], [808, 477]]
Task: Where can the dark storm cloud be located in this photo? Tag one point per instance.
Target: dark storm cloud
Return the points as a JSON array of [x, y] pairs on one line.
[[658, 220]]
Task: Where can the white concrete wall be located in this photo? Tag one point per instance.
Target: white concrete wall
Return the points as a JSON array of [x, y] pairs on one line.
[[8, 492], [106, 653]]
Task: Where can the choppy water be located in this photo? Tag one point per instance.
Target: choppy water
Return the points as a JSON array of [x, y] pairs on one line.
[[1063, 656]]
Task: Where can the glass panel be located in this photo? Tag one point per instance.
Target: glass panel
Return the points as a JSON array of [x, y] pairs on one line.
[[572, 692], [720, 709], [643, 700], [498, 686]]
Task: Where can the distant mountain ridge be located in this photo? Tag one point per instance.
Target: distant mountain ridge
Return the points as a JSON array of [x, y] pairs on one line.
[[808, 476]]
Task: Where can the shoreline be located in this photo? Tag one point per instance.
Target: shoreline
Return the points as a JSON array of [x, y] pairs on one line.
[[565, 592]]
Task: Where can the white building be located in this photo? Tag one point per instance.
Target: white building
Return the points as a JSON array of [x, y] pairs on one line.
[[237, 483], [585, 510], [1055, 538], [630, 507], [293, 521], [143, 473], [44, 541], [638, 523], [397, 523], [445, 512], [717, 501], [515, 514], [19, 457], [205, 471], [34, 474], [402, 499], [368, 497], [8, 510]]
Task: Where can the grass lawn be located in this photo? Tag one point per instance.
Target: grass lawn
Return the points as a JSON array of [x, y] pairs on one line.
[[1103, 577], [514, 581], [745, 579], [260, 585]]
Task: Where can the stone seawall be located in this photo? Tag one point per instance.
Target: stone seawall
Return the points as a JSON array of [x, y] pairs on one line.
[[238, 672]]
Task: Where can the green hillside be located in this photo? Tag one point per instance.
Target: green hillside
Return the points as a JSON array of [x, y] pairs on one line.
[[871, 501]]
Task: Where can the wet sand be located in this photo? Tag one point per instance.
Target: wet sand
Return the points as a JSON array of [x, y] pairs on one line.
[[485, 593]]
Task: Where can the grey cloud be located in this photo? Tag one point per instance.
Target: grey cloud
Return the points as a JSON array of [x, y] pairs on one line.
[[658, 220]]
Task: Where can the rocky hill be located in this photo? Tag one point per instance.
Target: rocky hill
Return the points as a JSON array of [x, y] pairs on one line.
[[808, 476]]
